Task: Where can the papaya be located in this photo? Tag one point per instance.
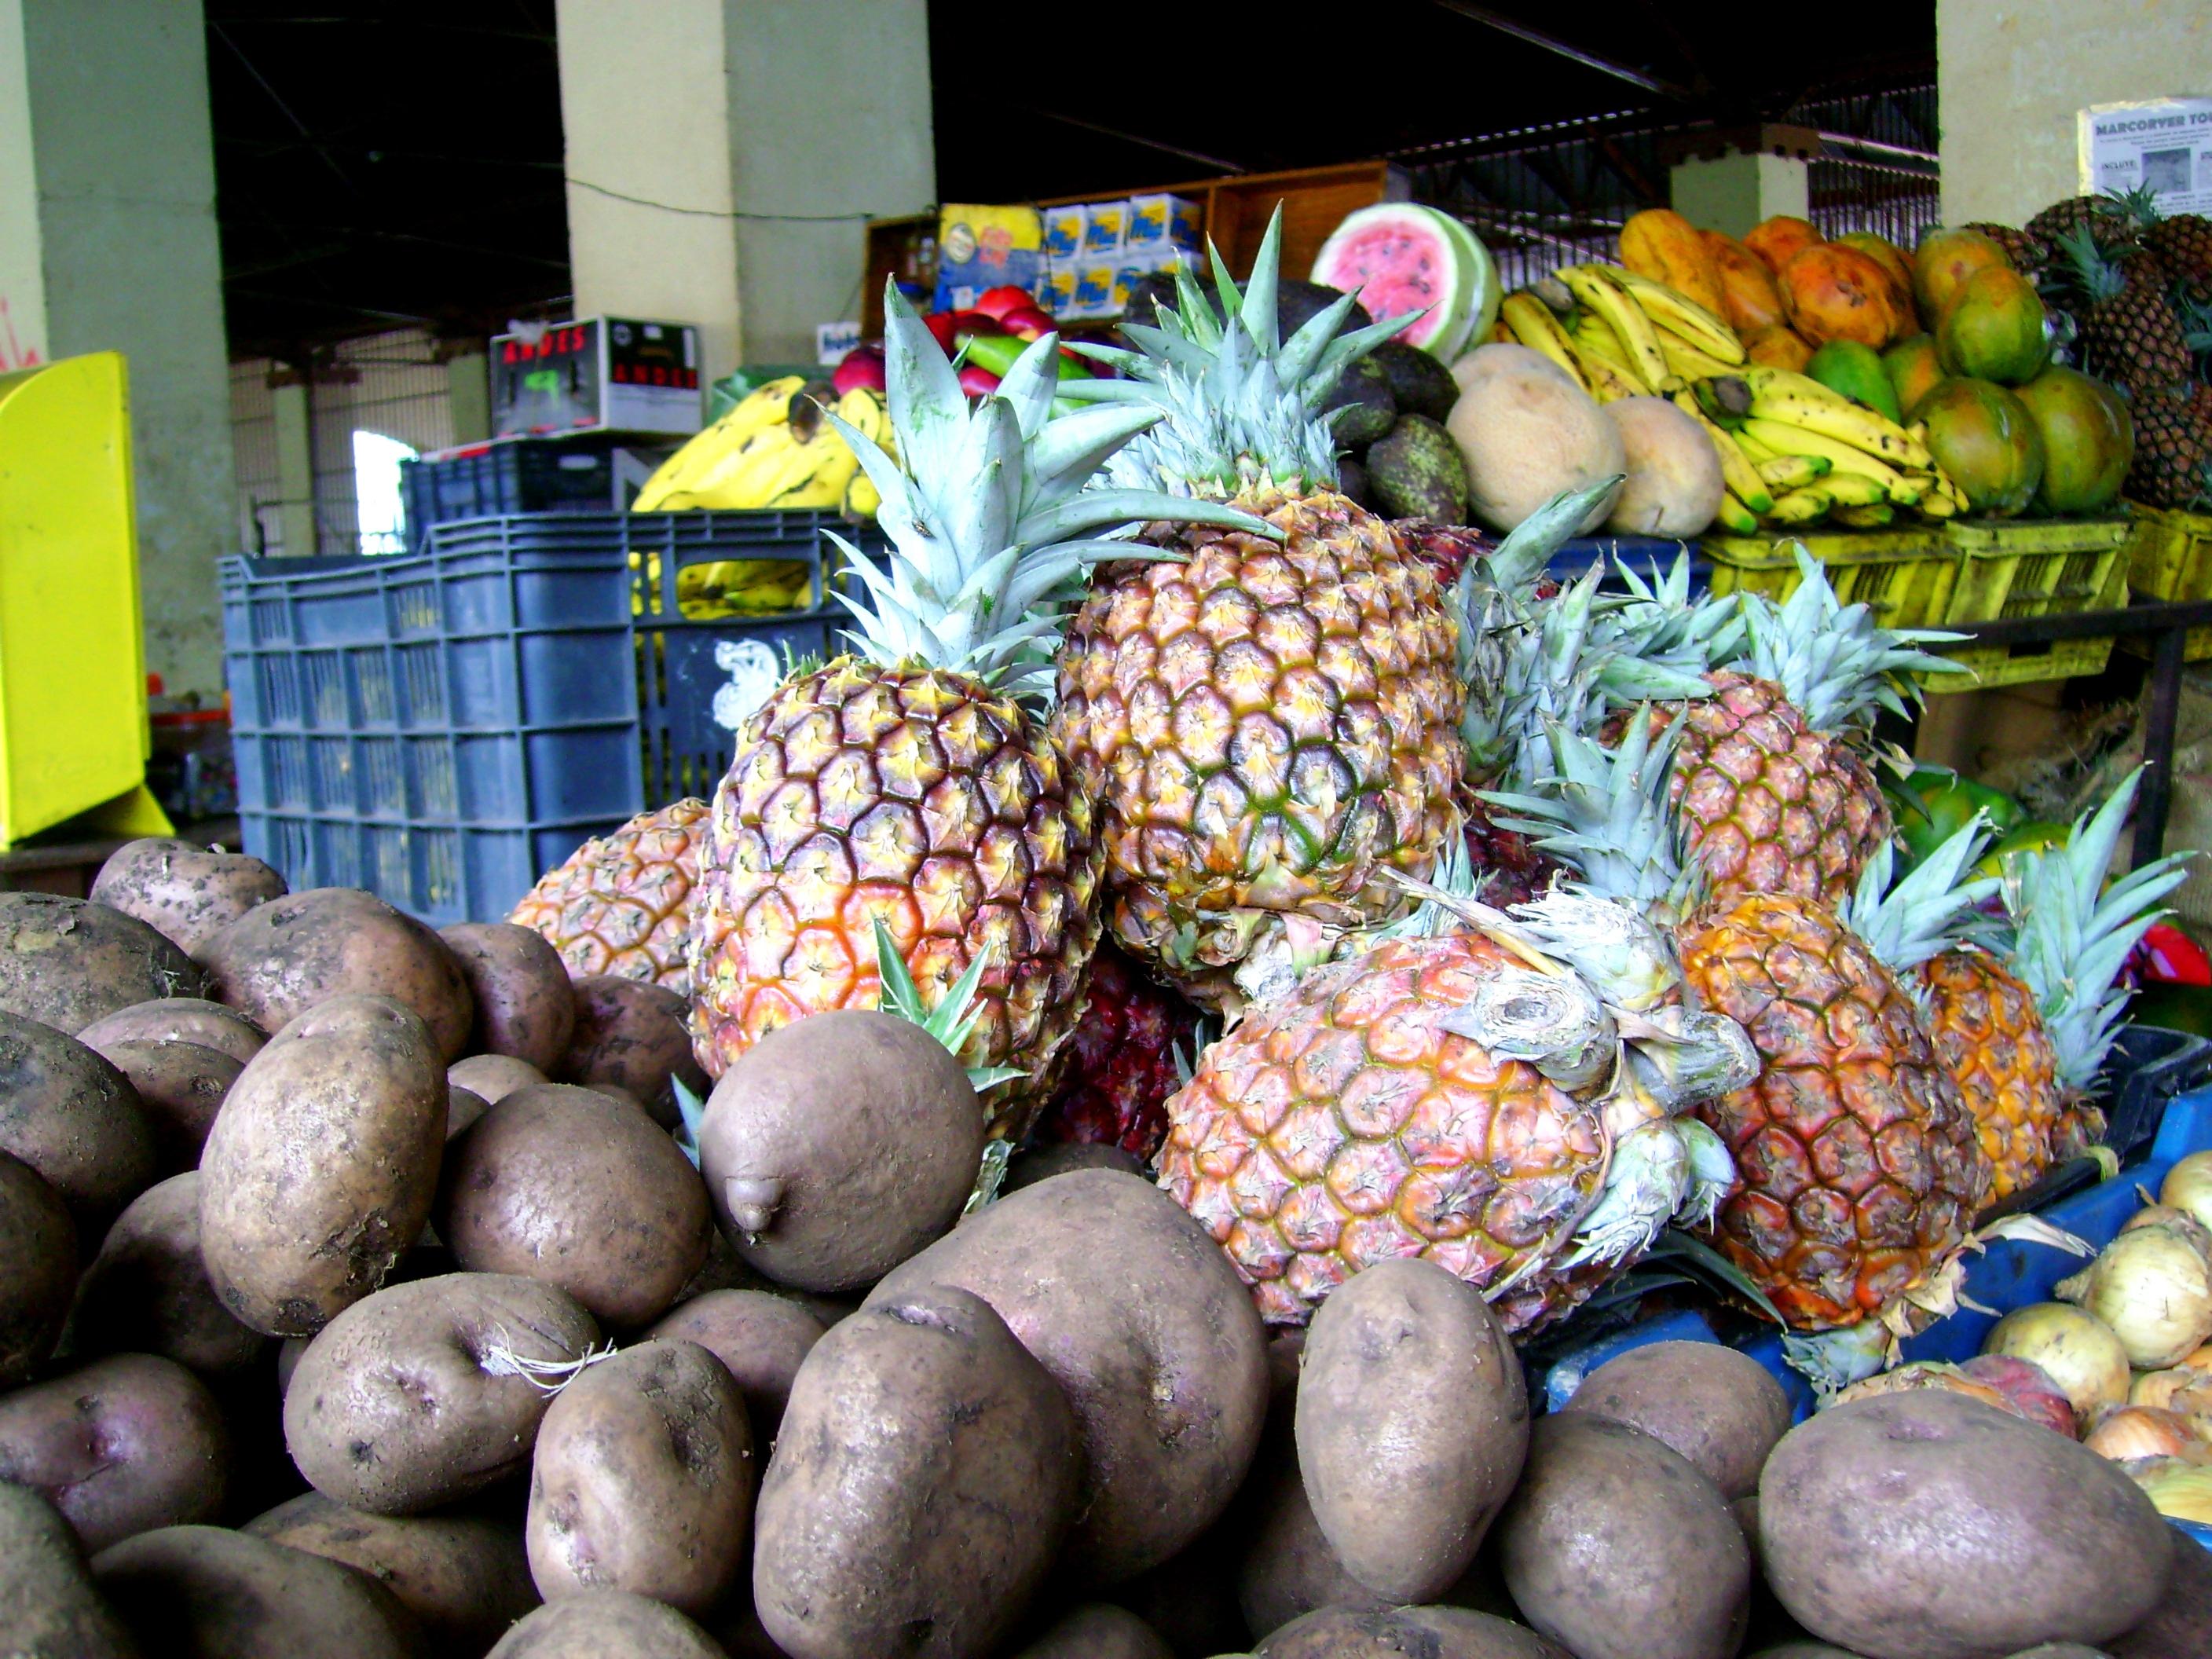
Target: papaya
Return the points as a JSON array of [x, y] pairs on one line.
[[1913, 370], [1985, 441], [1892, 259], [1992, 329], [1856, 372], [1749, 300], [1780, 239], [1831, 292], [1942, 264], [1777, 347], [1663, 246], [2089, 441]]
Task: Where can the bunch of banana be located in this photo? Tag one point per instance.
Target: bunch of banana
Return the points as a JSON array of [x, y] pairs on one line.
[[772, 450]]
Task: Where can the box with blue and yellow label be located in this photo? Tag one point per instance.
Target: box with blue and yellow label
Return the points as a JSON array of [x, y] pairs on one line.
[[1063, 231], [1162, 221], [1093, 294], [1056, 292], [979, 248], [1103, 226]]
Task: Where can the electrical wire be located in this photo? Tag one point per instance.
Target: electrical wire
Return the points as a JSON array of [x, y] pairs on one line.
[[720, 213]]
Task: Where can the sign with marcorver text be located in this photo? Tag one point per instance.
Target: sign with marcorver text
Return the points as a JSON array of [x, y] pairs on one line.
[[2165, 142]]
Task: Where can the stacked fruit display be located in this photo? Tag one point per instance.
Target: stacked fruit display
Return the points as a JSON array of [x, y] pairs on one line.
[[774, 449]]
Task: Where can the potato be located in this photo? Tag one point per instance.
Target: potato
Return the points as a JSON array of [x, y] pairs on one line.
[[320, 1170], [73, 1118], [184, 892], [38, 1245], [1434, 1632], [1097, 1630], [1190, 1600], [1409, 1385], [760, 1339], [643, 1480], [148, 1289], [428, 1391], [2180, 1626], [838, 1146], [121, 1445], [600, 1624], [180, 1086], [925, 1474], [1616, 1546], [49, 1608], [631, 1035], [525, 1007], [214, 1594], [1721, 1409], [1037, 1164], [1142, 1321], [493, 1077], [563, 1184], [179, 1019], [282, 958], [66, 962], [463, 1107], [1928, 1526], [464, 1578]]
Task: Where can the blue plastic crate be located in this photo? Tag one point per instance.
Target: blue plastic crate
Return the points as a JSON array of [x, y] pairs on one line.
[[1649, 556], [509, 476]]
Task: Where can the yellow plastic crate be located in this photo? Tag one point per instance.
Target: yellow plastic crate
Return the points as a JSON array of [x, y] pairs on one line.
[[1904, 577], [2043, 568], [2170, 557]]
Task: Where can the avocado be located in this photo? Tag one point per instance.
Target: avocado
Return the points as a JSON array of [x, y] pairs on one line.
[[1421, 385], [1352, 481], [1364, 394], [1416, 472]]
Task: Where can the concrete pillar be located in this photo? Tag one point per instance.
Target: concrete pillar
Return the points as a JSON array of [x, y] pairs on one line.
[[1732, 193], [724, 155], [296, 469], [107, 242], [2011, 81]]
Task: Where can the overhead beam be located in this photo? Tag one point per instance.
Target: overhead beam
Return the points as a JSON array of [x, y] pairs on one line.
[[1552, 42]]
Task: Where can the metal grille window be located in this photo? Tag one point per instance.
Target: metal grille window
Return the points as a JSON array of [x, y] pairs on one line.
[[253, 441]]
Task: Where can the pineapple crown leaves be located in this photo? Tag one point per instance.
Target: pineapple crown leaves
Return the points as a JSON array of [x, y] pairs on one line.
[[2075, 934], [1241, 404], [991, 518], [953, 1020], [1514, 564], [1661, 622], [1832, 660], [1933, 908]]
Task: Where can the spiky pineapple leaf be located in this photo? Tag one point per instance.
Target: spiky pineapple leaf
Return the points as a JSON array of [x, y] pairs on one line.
[[1693, 1255], [692, 1110], [953, 1020]]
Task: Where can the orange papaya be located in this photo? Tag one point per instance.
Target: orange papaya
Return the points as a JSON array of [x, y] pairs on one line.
[[1831, 292], [1750, 300], [1777, 347], [1663, 246], [1780, 239]]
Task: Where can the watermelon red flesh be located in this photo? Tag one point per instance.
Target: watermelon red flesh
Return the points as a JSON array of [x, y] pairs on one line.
[[1398, 259]]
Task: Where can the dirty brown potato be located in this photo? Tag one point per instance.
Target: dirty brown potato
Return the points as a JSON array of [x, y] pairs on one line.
[[493, 1077], [1438, 1632], [282, 958], [1037, 1164], [643, 1480], [75, 1119], [839, 1146], [49, 1608], [1142, 1321], [927, 1470], [2180, 1626], [598, 1623], [1097, 1630], [1601, 1502], [66, 962], [184, 892], [632, 1036], [1409, 1384], [1929, 1526], [179, 1019], [1719, 1409], [120, 1446], [464, 1578], [38, 1247], [463, 1107], [320, 1170], [147, 1291], [762, 1339], [180, 1086], [209, 1590], [564, 1185], [524, 1009], [429, 1391]]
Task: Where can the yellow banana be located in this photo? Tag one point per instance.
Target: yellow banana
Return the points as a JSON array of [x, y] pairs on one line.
[[1855, 488], [1736, 469], [864, 410], [1531, 323], [1686, 361], [1936, 504], [1910, 487], [1593, 338], [1787, 439], [1849, 424], [1607, 384], [1589, 284], [1736, 518], [1865, 518], [1765, 380], [1679, 315], [1793, 472], [1751, 447], [861, 497], [744, 472], [825, 485], [1806, 505]]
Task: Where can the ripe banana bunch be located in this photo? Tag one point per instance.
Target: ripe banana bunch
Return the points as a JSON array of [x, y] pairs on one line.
[[773, 450], [1865, 464]]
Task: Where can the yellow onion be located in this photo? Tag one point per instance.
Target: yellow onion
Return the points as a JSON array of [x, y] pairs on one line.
[[2129, 1432], [2080, 1352], [2167, 1215], [2188, 1186], [2179, 1489], [2157, 1388], [2153, 1290]]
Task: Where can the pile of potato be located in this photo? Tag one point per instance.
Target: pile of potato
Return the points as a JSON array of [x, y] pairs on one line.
[[363, 1291]]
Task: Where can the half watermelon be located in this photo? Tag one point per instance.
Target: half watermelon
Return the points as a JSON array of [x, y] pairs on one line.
[[1399, 257]]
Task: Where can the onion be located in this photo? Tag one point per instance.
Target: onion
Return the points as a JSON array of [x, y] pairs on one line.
[[2129, 1432], [2188, 1186], [2153, 1290], [2157, 1388], [2027, 1389], [2080, 1352], [2166, 1215], [2179, 1489]]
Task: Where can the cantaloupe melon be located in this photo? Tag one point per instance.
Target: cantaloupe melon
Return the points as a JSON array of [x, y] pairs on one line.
[[1674, 482], [1490, 359], [1526, 435]]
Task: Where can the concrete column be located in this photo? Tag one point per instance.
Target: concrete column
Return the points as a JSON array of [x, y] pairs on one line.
[[296, 469], [723, 155], [2011, 80], [1734, 192], [106, 153]]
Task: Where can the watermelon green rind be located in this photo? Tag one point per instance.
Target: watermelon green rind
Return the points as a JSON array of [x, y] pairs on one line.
[[1401, 257], [1489, 292]]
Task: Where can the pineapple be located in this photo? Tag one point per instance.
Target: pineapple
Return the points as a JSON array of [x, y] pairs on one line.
[[622, 902], [2131, 331], [1268, 722], [2026, 251], [1122, 1060], [2102, 217], [2173, 449], [909, 781], [2184, 244]]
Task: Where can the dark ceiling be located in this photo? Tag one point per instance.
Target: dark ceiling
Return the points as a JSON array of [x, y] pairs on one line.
[[402, 163]]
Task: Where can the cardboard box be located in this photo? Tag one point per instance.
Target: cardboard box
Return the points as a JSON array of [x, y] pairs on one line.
[[1104, 225], [1063, 232], [1093, 294], [1056, 292], [597, 373], [1162, 221], [979, 248]]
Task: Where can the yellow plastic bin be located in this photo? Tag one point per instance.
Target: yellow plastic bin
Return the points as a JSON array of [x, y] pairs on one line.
[[73, 727], [1904, 577], [2012, 568], [2170, 557]]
